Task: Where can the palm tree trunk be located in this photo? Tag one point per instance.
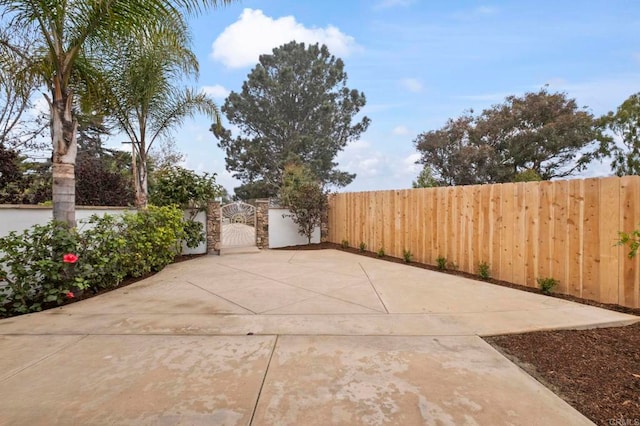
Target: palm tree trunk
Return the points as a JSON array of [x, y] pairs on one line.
[[65, 148], [142, 196]]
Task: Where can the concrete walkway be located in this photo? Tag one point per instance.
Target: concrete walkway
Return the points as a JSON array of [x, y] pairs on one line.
[[285, 338]]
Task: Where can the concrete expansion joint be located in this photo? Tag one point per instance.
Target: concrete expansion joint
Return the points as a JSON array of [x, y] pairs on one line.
[[264, 379], [44, 358]]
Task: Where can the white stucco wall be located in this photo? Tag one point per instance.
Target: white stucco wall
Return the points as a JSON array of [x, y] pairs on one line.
[[20, 217], [283, 231]]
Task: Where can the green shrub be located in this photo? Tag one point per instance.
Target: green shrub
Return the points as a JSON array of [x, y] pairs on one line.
[[193, 232], [442, 263], [45, 265], [547, 284], [483, 271], [33, 267], [381, 252], [344, 244], [153, 239], [407, 256], [102, 250], [362, 247]]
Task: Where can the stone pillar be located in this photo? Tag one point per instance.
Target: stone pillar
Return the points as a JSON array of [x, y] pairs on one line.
[[214, 228], [262, 223]]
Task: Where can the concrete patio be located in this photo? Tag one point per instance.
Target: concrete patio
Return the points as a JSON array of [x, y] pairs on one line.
[[285, 337]]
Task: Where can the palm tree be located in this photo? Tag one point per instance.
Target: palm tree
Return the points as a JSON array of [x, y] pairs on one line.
[[146, 100], [65, 56]]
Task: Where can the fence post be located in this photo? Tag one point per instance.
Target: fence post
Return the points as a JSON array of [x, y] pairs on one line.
[[214, 235]]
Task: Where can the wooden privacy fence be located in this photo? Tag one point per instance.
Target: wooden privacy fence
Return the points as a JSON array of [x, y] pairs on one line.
[[565, 230]]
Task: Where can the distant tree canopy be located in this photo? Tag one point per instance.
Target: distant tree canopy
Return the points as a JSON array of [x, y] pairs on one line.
[[425, 179], [302, 193], [294, 106], [625, 123], [540, 135], [104, 176], [186, 188]]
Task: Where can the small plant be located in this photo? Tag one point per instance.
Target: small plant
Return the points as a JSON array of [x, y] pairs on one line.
[[483, 271], [381, 252], [453, 266], [442, 263], [547, 284], [362, 247], [407, 256], [632, 239], [344, 244]]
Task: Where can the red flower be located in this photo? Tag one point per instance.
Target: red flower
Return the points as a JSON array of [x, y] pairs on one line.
[[70, 295], [70, 258]]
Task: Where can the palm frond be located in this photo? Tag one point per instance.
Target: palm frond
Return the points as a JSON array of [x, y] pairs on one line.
[[183, 104]]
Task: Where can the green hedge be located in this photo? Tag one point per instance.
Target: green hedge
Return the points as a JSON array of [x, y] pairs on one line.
[[45, 265]]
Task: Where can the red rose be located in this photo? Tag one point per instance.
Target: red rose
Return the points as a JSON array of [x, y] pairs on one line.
[[70, 295], [70, 258]]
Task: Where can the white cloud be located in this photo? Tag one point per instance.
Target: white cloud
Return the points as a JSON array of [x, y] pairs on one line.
[[486, 10], [387, 4], [217, 91], [411, 84], [410, 163], [359, 158], [478, 12], [254, 33], [400, 131]]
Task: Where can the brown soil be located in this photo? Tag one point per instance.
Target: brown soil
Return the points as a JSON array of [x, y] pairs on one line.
[[596, 371]]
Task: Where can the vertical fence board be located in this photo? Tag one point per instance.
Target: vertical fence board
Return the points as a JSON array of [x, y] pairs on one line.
[[519, 236], [559, 255], [591, 275], [495, 229], [532, 224], [433, 220], [420, 228], [545, 233], [485, 214], [609, 227], [478, 230], [575, 230], [506, 232], [469, 250], [629, 270]]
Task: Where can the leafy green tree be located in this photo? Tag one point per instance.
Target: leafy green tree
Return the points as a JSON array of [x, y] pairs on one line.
[[146, 102], [527, 176], [175, 185], [65, 57], [103, 176], [294, 103], [453, 154], [425, 179], [625, 123], [186, 188], [544, 133], [166, 154], [305, 198]]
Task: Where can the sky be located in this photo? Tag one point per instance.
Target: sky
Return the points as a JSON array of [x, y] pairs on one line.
[[420, 63]]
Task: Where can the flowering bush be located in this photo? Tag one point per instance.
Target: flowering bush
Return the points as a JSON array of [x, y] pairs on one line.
[[46, 265], [34, 267]]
